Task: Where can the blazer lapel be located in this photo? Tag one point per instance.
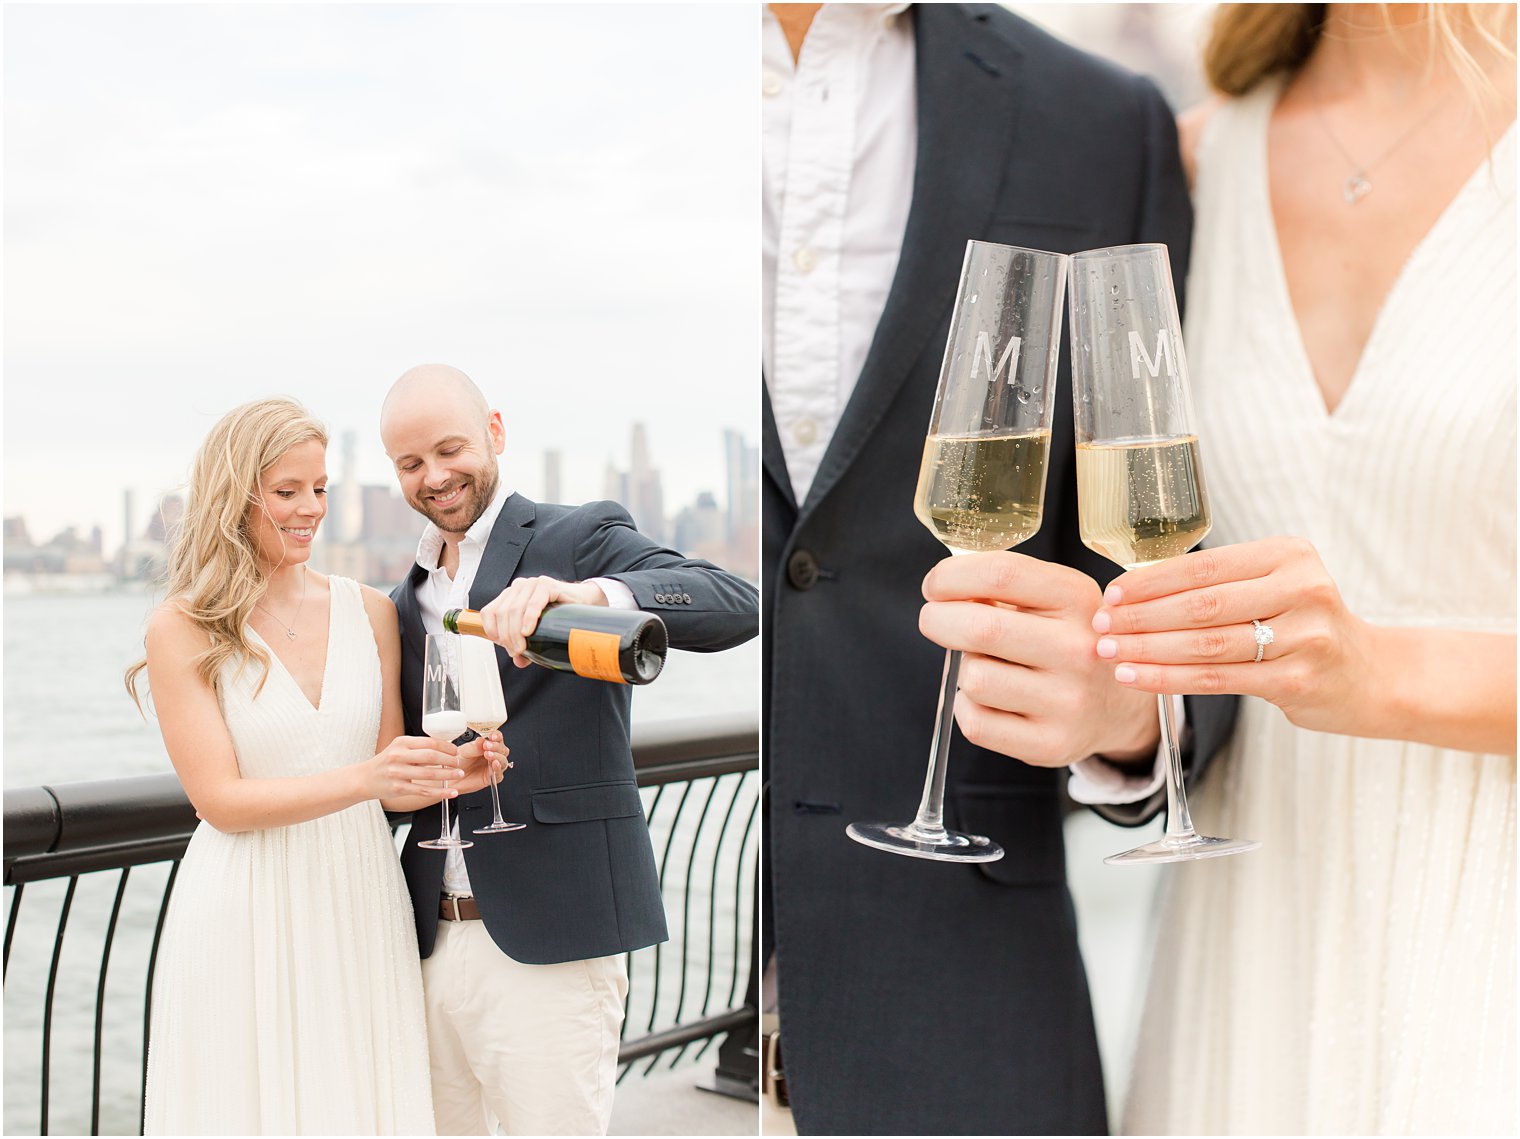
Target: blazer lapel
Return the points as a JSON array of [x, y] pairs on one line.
[[969, 94], [772, 457], [504, 549], [411, 615]]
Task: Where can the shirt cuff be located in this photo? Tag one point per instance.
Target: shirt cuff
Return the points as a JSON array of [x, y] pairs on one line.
[[618, 595], [1096, 781]]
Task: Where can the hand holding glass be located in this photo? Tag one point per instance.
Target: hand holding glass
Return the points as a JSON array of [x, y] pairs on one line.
[[1140, 489], [982, 482]]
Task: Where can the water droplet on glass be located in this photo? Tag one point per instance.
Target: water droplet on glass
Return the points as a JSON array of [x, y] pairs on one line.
[[1021, 394], [1114, 289]]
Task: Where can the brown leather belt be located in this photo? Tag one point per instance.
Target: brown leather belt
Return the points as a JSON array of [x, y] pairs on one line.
[[458, 908]]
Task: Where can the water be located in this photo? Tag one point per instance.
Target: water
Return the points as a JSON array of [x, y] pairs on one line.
[[67, 653]]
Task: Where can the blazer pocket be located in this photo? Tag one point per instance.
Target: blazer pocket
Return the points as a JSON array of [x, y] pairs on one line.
[[1028, 826], [585, 802]]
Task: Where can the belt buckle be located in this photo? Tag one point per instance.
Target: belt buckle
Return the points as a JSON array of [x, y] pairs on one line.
[[772, 1076]]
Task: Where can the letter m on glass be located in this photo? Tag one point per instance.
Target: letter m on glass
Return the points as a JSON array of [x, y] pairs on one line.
[[1137, 353], [983, 351]]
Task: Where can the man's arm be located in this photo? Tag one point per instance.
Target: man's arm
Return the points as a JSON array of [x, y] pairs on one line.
[[705, 608]]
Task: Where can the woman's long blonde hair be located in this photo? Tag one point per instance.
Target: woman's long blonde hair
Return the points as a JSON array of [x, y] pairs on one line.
[[1252, 42], [213, 574]]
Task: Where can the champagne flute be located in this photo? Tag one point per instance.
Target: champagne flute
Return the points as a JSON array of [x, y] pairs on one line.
[[1140, 490], [485, 710], [442, 717], [982, 482]]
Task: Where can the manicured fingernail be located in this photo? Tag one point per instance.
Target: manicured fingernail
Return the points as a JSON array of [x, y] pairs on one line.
[[1108, 648], [1100, 622], [1113, 595], [1124, 674]]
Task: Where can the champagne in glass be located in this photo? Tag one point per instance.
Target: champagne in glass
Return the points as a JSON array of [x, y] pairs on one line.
[[485, 709], [1140, 488], [443, 717], [982, 482]]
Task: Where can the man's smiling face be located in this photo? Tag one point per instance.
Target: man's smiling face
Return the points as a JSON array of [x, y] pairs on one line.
[[444, 452]]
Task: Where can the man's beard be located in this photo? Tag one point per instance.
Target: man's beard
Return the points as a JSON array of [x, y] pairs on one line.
[[467, 511]]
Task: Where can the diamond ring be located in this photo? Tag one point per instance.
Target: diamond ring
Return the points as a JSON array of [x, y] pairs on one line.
[[1263, 634]]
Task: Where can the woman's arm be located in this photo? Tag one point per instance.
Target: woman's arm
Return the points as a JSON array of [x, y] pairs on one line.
[[471, 759], [201, 750], [1185, 625]]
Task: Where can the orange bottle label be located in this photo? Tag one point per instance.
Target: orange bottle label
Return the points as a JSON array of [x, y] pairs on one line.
[[595, 655]]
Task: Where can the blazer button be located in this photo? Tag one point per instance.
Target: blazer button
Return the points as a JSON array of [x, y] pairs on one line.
[[685, 599], [802, 570], [660, 597]]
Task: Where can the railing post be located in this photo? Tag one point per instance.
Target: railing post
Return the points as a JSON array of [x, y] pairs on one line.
[[738, 1070]]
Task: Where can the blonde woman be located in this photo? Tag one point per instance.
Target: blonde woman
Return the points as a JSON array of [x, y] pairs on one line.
[[1352, 335], [287, 998]]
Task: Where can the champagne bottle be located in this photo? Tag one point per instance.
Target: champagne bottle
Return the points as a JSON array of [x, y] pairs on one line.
[[623, 646]]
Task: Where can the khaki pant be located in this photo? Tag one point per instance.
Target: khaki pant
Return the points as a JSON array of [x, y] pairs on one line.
[[534, 1046]]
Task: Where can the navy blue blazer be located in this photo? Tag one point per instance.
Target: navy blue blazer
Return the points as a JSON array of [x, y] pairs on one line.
[[580, 881]]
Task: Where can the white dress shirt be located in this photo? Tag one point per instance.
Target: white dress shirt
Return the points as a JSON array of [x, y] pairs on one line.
[[439, 593], [839, 140]]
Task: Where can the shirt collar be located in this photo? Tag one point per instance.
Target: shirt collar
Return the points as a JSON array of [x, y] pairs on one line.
[[430, 545]]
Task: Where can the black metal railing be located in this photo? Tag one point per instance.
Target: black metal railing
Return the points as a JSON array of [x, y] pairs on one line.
[[93, 851]]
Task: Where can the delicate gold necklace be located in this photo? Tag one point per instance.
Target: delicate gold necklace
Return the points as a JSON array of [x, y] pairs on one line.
[[1358, 185], [290, 630]]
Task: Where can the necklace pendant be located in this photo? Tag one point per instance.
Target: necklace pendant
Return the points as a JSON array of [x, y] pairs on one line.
[[1355, 188], [291, 633]]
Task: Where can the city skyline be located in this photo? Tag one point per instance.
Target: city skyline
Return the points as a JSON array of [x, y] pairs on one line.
[[370, 532]]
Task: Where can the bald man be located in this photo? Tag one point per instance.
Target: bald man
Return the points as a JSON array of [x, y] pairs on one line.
[[522, 935]]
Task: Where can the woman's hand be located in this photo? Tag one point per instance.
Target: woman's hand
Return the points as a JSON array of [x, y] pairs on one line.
[[483, 759], [409, 766], [1185, 625], [1030, 685]]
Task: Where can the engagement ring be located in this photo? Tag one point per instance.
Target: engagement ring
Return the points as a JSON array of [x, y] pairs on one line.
[[1264, 637]]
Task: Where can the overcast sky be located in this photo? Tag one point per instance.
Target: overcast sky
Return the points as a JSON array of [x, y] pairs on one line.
[[209, 204]]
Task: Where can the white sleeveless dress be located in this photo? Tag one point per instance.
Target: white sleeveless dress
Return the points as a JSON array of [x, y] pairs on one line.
[[1356, 975], [287, 998]]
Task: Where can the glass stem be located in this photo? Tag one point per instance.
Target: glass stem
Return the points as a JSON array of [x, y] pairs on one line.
[[444, 836], [495, 796], [929, 826], [1179, 824]]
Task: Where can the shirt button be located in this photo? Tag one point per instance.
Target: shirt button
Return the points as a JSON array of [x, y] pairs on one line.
[[805, 431], [805, 260], [770, 84]]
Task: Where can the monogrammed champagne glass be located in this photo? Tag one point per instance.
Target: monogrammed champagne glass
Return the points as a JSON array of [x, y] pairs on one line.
[[485, 710], [1140, 490], [982, 482], [443, 716]]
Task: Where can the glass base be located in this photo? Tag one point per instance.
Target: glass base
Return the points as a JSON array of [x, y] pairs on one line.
[[941, 845], [445, 844], [1187, 849], [499, 828]]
